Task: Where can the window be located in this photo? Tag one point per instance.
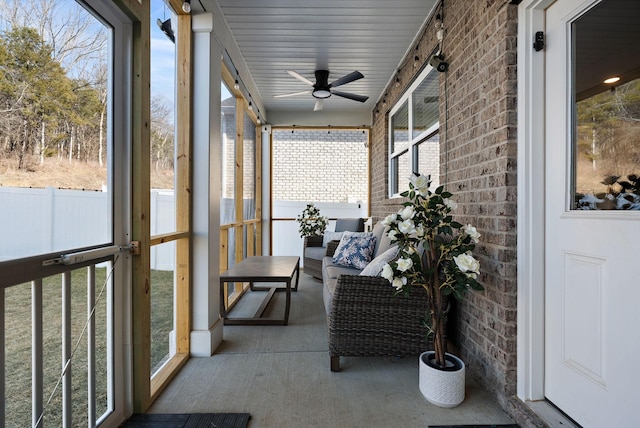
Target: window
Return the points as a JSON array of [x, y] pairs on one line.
[[413, 133], [606, 150]]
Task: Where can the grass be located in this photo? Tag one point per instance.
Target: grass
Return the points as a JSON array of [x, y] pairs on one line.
[[19, 347]]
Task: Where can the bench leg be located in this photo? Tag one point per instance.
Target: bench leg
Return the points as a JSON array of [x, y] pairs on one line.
[[335, 363]]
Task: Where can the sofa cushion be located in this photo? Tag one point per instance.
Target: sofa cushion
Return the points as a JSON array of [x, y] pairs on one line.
[[351, 224], [331, 236], [315, 253], [383, 242], [333, 271], [330, 273], [355, 250], [375, 267]]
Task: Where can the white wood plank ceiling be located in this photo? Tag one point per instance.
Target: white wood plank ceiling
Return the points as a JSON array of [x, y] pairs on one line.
[[370, 36]]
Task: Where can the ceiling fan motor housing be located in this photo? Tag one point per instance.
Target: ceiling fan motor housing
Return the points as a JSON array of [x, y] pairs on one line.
[[321, 89]]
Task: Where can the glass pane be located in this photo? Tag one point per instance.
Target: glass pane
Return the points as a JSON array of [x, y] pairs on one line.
[[162, 144], [402, 171], [607, 112], [425, 104], [162, 292], [400, 128], [249, 169], [428, 159], [227, 172], [56, 191]]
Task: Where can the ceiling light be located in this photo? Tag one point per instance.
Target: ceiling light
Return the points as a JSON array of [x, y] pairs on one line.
[[612, 79], [250, 106], [186, 6], [321, 93]]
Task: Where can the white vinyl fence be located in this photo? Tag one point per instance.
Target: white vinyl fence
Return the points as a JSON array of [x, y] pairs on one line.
[[41, 221]]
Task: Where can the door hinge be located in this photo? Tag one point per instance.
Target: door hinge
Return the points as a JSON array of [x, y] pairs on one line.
[[538, 43]]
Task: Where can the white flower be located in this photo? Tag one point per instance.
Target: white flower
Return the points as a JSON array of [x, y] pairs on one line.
[[449, 203], [404, 264], [407, 227], [392, 234], [387, 272], [389, 220], [420, 183], [398, 283], [472, 232], [466, 263], [408, 212]]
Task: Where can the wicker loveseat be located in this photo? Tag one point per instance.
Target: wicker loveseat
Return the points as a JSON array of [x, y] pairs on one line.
[[315, 247], [364, 317]]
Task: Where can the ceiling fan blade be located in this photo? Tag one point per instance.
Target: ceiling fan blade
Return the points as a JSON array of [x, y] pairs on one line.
[[319, 105], [355, 75], [354, 97], [299, 77], [292, 94]]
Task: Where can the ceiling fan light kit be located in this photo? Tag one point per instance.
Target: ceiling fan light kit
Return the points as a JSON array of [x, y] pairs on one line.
[[322, 89]]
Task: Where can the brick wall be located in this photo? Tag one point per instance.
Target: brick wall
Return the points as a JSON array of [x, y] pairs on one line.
[[325, 165], [478, 164]]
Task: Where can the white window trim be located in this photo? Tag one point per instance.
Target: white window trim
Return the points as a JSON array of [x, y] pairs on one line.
[[411, 149]]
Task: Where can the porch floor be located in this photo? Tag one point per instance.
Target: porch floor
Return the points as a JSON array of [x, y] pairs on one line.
[[280, 375]]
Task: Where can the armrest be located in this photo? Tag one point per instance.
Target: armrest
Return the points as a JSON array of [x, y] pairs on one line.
[[331, 248], [367, 318]]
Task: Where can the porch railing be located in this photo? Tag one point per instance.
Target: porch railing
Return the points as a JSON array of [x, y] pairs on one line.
[[58, 316]]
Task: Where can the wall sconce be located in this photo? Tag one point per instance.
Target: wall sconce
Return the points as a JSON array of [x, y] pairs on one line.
[[186, 6]]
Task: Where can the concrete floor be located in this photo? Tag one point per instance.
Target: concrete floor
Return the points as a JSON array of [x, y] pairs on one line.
[[280, 375]]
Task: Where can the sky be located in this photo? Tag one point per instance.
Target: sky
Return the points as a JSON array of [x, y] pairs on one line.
[[163, 53]]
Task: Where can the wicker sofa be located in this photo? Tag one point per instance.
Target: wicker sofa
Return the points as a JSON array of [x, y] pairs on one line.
[[315, 247], [364, 317]]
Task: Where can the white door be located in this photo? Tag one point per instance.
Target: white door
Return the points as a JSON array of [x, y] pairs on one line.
[[592, 267]]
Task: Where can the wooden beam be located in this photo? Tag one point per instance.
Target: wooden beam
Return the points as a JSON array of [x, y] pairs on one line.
[[168, 237], [258, 195], [239, 176], [184, 180], [140, 200]]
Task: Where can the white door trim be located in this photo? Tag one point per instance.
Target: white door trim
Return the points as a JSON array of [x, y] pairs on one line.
[[531, 208]]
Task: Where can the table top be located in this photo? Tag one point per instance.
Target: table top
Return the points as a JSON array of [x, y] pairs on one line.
[[262, 268]]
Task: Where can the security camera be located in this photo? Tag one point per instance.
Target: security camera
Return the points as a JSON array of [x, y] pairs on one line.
[[437, 62]]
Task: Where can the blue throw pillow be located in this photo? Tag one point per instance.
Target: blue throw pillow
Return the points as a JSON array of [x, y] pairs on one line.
[[355, 250]]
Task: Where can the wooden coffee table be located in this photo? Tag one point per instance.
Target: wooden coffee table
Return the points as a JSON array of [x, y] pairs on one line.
[[262, 269]]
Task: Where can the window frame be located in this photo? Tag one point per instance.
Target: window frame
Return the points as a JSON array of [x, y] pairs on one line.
[[411, 149]]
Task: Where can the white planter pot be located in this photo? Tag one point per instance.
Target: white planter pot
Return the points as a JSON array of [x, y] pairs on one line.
[[444, 388]]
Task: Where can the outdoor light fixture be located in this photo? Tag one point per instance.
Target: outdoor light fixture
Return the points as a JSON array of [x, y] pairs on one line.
[[250, 106], [166, 29], [612, 80], [186, 6]]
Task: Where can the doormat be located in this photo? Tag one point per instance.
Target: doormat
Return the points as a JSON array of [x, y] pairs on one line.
[[188, 420], [476, 426]]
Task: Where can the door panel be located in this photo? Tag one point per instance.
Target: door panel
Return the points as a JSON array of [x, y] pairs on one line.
[[592, 337]]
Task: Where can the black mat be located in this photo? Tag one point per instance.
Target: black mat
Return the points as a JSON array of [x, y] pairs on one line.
[[191, 420], [475, 426]]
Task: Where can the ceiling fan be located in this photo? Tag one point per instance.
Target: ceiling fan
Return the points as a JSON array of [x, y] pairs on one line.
[[322, 89]]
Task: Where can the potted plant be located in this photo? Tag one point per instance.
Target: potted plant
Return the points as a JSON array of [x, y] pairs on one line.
[[312, 224], [435, 253]]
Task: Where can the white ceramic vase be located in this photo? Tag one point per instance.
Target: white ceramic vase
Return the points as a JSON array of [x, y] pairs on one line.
[[444, 388]]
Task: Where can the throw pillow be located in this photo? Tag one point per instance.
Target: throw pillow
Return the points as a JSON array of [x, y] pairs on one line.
[[375, 267], [331, 236], [355, 250]]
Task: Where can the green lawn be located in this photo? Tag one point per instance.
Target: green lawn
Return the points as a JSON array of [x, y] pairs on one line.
[[18, 344]]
